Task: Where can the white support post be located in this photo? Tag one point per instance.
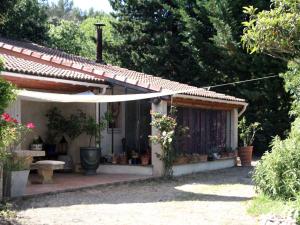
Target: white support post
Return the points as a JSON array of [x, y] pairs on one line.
[[157, 164], [234, 128]]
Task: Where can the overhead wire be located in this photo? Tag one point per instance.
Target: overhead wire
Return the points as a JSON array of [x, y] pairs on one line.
[[239, 82]]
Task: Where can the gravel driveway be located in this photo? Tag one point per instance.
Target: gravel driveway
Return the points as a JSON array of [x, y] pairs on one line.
[[217, 197]]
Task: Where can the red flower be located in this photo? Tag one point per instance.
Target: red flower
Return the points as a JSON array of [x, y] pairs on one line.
[[6, 117], [30, 126], [14, 120]]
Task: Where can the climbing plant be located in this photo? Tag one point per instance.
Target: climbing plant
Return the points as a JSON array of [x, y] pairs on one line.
[[166, 125]]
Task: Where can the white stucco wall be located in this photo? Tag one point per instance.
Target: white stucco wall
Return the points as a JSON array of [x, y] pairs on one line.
[[157, 164], [106, 142], [179, 170], [234, 128]]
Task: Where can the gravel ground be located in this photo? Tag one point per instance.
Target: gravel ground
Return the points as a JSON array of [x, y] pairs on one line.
[[217, 197]]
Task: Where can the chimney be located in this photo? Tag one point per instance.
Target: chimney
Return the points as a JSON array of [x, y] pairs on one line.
[[99, 58]]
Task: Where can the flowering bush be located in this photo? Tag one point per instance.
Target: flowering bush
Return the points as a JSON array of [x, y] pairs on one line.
[[166, 125], [11, 134], [7, 93]]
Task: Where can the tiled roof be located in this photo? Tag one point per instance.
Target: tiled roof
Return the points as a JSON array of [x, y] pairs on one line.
[[90, 68], [19, 65]]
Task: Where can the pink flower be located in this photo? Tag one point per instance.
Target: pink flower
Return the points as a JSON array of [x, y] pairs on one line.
[[30, 126], [6, 117]]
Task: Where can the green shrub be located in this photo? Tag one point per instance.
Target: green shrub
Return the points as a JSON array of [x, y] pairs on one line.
[[7, 92], [277, 175]]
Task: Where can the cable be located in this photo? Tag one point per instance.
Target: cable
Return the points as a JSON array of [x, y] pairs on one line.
[[239, 82]]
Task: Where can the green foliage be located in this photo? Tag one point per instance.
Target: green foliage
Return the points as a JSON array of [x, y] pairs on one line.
[[263, 205], [12, 133], [166, 125], [198, 42], [62, 10], [67, 37], [13, 163], [7, 92], [56, 125], [276, 31], [73, 126], [88, 28], [247, 131], [278, 173], [25, 19], [5, 6], [8, 132], [65, 10], [94, 129]]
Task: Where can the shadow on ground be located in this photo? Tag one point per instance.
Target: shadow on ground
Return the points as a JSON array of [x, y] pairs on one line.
[[159, 190]]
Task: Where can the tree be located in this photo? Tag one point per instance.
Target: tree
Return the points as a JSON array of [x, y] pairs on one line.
[[63, 9], [198, 42], [26, 19], [237, 65], [88, 28], [67, 37], [157, 37], [276, 32], [5, 6]]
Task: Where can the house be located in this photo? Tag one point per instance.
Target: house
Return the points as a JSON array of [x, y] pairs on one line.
[[212, 117]]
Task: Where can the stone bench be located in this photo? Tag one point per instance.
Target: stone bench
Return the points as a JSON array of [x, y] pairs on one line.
[[45, 169]]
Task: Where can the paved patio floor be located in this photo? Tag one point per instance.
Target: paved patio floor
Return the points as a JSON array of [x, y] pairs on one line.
[[73, 181]]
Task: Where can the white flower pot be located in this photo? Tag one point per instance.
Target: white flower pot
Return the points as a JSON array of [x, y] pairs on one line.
[[15, 183]]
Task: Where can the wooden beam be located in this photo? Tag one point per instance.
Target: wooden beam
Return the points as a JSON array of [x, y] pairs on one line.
[[195, 103], [46, 85]]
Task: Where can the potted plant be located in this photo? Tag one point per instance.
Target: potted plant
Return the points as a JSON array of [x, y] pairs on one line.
[[16, 171], [247, 135], [16, 168], [182, 158], [56, 126], [90, 156], [203, 157]]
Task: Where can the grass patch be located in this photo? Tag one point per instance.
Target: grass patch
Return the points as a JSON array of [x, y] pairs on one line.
[[262, 205], [6, 210]]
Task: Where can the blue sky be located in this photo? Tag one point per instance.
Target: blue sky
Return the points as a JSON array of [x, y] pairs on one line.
[[87, 4]]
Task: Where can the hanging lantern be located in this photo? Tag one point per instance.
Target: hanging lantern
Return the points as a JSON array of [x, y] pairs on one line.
[[62, 147]]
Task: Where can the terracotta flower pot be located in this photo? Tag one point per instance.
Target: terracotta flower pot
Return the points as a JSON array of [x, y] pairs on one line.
[[182, 160], [145, 160], [245, 154], [123, 160], [203, 158]]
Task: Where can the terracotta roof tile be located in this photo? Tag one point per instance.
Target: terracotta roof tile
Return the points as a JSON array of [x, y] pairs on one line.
[[110, 72], [15, 64]]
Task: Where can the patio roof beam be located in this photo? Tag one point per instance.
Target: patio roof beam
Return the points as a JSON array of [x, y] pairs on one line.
[[55, 80], [128, 85], [211, 99]]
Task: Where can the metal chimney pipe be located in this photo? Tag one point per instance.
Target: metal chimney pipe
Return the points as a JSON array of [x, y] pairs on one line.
[[99, 58]]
